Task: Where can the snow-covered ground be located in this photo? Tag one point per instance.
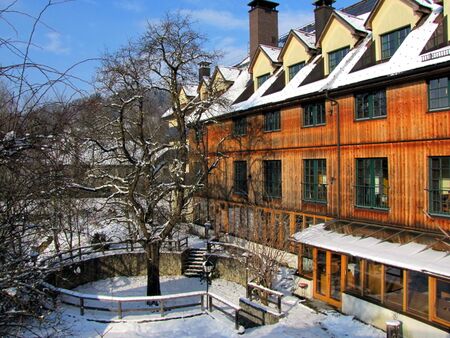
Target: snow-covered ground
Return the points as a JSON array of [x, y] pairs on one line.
[[300, 321]]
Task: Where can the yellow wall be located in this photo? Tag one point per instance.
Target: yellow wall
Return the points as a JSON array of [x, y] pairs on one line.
[[336, 37], [184, 100], [295, 53], [203, 91], [446, 13], [392, 15], [219, 82], [262, 66]]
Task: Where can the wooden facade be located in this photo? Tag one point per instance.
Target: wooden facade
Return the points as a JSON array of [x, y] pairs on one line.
[[407, 137]]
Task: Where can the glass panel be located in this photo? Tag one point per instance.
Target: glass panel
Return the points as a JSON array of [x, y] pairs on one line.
[[393, 287], [335, 272], [321, 267], [353, 282], [307, 261], [372, 280], [443, 299], [417, 297], [440, 185]]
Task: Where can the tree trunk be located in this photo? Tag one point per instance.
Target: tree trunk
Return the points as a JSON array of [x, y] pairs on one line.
[[153, 253]]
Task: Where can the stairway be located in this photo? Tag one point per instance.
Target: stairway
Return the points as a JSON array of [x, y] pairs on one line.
[[193, 265]]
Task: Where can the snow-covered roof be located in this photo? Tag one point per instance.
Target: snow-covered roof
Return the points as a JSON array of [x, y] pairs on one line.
[[271, 52], [308, 38], [412, 255], [357, 22], [407, 58], [190, 90], [229, 73]]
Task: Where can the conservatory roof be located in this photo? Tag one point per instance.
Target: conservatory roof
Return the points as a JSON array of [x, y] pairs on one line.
[[403, 248]]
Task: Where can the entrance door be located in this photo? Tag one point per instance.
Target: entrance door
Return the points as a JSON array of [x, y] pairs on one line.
[[328, 276]]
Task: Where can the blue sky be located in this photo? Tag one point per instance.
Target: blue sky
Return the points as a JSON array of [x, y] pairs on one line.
[[83, 29]]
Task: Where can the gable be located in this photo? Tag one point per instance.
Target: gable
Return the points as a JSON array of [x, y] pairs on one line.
[[336, 36], [387, 19], [184, 99], [261, 66], [219, 83], [295, 52]]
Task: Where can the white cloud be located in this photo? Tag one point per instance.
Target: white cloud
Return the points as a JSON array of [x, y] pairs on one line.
[[129, 5], [55, 44], [293, 19], [220, 19]]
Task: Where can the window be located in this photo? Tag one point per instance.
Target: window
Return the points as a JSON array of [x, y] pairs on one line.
[[335, 57], [440, 185], [372, 280], [437, 39], [353, 276], [390, 42], [307, 261], [294, 69], [417, 296], [315, 180], [272, 121], [240, 177], [372, 183], [261, 79], [443, 300], [314, 114], [438, 97], [370, 105], [393, 287], [272, 179], [240, 126]]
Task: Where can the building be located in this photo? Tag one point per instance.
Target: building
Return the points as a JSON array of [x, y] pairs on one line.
[[338, 139]]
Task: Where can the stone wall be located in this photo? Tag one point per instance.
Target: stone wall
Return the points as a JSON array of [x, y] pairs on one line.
[[125, 264], [228, 268]]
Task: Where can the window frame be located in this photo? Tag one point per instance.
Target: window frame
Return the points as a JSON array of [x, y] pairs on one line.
[[272, 121], [316, 164], [298, 65], [372, 186], [240, 182], [261, 79], [390, 33], [431, 210], [336, 52], [440, 108], [370, 98], [315, 114], [240, 126], [273, 190]]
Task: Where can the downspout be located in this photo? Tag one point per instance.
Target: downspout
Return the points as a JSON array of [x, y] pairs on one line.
[[335, 103]]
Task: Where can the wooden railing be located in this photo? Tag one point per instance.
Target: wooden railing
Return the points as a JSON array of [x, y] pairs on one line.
[[269, 294], [128, 246], [162, 301]]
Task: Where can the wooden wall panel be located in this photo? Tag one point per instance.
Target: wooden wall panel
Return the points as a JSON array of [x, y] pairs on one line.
[[408, 136]]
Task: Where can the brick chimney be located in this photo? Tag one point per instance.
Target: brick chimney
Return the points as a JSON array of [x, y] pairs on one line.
[[323, 11], [204, 70], [263, 24]]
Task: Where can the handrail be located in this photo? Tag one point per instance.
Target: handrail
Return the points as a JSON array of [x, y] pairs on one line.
[[270, 292], [160, 299]]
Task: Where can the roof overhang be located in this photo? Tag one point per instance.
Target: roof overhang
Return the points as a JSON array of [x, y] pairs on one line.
[[378, 244]]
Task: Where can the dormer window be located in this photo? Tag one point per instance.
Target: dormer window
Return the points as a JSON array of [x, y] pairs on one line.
[[390, 42], [294, 69], [261, 79], [335, 57]]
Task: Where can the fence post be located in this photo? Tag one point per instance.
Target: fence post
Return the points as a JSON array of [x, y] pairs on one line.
[[161, 307], [119, 310], [210, 303], [249, 292], [279, 303], [203, 302], [236, 319], [82, 306]]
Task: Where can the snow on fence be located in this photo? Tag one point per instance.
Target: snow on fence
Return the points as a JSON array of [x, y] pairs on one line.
[[269, 292], [163, 302], [107, 247]]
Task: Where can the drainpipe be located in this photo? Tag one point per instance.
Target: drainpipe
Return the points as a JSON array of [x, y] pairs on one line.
[[335, 103]]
